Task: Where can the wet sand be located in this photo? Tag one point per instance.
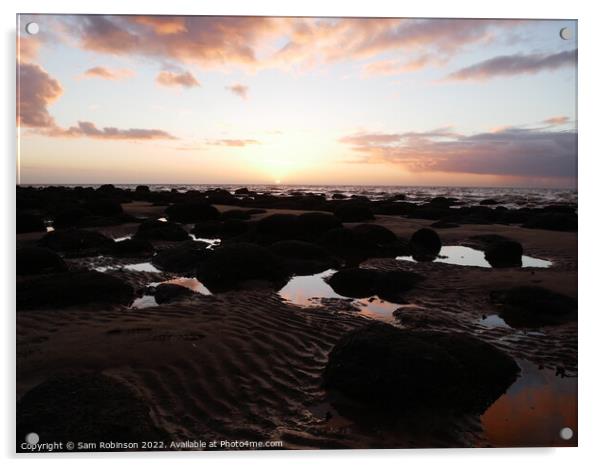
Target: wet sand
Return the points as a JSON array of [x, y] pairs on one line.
[[248, 364]]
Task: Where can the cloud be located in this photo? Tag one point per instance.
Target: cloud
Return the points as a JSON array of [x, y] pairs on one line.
[[395, 67], [507, 152], [171, 79], [264, 42], [239, 89], [89, 129], [27, 48], [509, 65], [236, 143], [560, 120], [36, 90], [107, 73]]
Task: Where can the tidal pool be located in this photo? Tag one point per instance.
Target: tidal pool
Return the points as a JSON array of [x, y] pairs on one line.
[[466, 256], [148, 301]]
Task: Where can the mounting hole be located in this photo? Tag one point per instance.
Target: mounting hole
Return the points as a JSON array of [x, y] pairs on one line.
[[566, 34], [32, 28], [566, 433], [32, 438]]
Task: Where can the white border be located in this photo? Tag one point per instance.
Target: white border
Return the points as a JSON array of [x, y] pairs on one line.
[[590, 171]]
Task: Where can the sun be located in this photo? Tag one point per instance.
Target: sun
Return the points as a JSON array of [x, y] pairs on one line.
[[277, 182]]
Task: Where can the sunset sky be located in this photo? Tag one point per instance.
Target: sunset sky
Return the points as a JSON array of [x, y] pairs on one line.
[[150, 99]]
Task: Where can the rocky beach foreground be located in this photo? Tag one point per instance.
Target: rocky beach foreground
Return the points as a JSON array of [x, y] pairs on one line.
[[300, 321]]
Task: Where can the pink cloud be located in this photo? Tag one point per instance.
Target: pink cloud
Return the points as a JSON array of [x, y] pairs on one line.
[[89, 129], [171, 79], [107, 73], [394, 67], [559, 120], [237, 143], [239, 89], [518, 64], [510, 151], [36, 90]]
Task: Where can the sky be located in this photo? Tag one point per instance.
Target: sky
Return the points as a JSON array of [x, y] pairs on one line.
[[259, 100]]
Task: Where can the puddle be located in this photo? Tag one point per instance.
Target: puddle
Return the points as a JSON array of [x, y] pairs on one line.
[[494, 321], [146, 301], [212, 242], [139, 267], [466, 256], [188, 282], [121, 239], [309, 291], [49, 228], [162, 219], [533, 411]]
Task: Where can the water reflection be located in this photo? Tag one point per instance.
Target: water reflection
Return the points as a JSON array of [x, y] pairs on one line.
[[212, 242], [533, 410], [466, 256], [138, 267], [493, 321], [189, 282], [311, 291]]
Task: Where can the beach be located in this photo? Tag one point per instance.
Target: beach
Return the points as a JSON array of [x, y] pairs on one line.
[[243, 357]]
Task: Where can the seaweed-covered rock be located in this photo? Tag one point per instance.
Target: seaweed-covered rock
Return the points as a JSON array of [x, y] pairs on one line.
[[29, 223], [354, 211], [303, 257], [373, 234], [362, 283], [35, 260], [279, 227], [133, 248], [72, 288], [504, 253], [86, 407], [396, 371], [162, 231], [190, 212], [76, 242], [233, 265], [182, 258], [531, 306], [167, 293], [425, 245], [314, 224]]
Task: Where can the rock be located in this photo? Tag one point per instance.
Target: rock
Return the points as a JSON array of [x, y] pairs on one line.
[[362, 283], [279, 227], [529, 306], [76, 242], [339, 196], [85, 407], [444, 224], [354, 211], [303, 258], [133, 248], [103, 207], [313, 224], [242, 191], [220, 196], [393, 371], [208, 229], [182, 258], [29, 223], [425, 245], [167, 293], [35, 260], [70, 216], [238, 214], [72, 288], [164, 231], [553, 221], [504, 253], [373, 234], [190, 212], [488, 202], [142, 189], [231, 266]]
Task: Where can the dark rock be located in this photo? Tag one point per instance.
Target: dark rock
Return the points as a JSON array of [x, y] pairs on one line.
[[362, 283], [142, 189], [239, 214], [182, 258], [303, 257], [242, 191], [72, 288], [208, 229], [70, 216], [85, 407], [35, 260], [391, 285], [373, 234], [232, 265], [488, 202], [76, 242], [443, 224], [505, 253], [29, 223], [425, 245], [529, 306], [221, 196], [354, 211], [167, 293], [313, 224], [553, 221], [279, 227], [159, 230], [339, 196], [103, 207], [191, 212], [393, 371], [133, 248]]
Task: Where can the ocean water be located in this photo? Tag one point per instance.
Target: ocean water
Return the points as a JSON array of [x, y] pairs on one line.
[[508, 197]]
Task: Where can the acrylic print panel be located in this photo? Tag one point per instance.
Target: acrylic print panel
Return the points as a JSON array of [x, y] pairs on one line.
[[295, 233]]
